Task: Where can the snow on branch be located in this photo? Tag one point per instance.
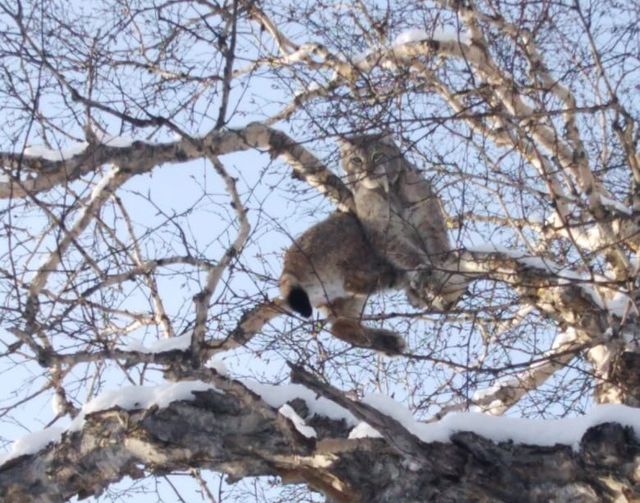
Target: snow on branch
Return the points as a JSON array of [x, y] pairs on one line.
[[196, 424], [127, 398], [543, 279], [587, 306], [508, 391], [390, 418], [177, 343]]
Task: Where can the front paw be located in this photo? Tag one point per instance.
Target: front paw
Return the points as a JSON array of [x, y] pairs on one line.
[[420, 280], [414, 299]]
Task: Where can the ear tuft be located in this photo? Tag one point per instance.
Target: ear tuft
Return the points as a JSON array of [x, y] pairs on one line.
[[387, 138], [343, 142]]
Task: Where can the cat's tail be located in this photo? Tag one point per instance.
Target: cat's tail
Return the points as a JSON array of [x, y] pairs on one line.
[[295, 296], [357, 334]]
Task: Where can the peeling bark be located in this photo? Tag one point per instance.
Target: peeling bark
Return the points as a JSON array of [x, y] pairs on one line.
[[238, 434]]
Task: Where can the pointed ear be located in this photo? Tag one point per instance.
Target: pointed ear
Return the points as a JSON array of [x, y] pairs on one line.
[[343, 142], [387, 138]]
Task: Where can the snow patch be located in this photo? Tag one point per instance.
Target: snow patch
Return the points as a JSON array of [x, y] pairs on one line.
[[141, 397], [412, 35], [287, 411], [389, 407], [527, 260], [216, 363], [364, 430], [130, 397], [57, 404], [179, 343], [115, 141], [32, 443], [566, 431], [612, 203], [76, 148], [55, 155], [566, 337], [504, 382], [617, 304], [313, 87], [277, 396]]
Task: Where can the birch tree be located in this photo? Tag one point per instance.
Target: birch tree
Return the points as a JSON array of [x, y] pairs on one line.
[[157, 158]]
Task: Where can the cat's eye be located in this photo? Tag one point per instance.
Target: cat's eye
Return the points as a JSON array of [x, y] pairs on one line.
[[355, 162]]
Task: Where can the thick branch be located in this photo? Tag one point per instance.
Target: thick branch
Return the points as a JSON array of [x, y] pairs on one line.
[[141, 157], [233, 431]]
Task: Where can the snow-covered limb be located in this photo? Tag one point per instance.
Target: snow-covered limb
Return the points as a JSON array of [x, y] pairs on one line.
[[50, 154], [507, 391], [558, 292], [178, 343], [139, 157], [515, 119], [591, 308], [128, 398], [572, 156], [195, 426]]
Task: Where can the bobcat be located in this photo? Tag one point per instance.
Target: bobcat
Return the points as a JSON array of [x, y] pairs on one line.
[[403, 219], [332, 266]]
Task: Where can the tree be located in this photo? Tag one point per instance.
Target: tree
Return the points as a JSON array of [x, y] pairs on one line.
[[158, 156]]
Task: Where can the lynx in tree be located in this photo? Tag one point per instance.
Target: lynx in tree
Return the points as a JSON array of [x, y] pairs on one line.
[[403, 219], [333, 267]]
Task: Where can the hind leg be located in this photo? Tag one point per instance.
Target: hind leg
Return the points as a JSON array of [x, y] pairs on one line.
[[346, 325], [418, 273]]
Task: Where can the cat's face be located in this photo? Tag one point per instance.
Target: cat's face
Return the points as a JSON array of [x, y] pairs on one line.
[[369, 160]]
